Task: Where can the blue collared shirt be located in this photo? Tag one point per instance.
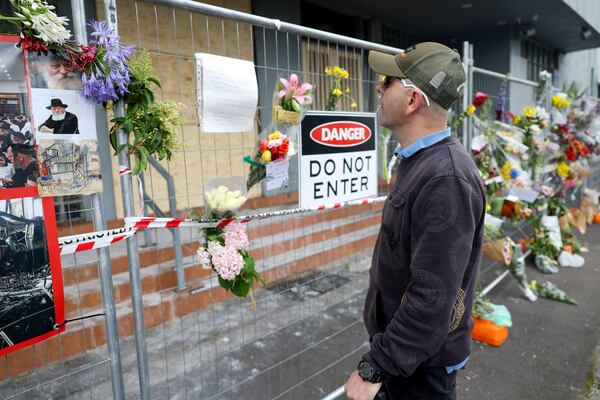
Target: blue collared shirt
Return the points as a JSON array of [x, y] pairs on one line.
[[422, 143]]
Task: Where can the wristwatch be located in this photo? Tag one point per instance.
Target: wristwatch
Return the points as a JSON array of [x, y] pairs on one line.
[[368, 373]]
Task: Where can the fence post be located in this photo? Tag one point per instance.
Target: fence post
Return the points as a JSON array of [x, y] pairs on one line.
[[467, 88], [105, 273], [110, 12]]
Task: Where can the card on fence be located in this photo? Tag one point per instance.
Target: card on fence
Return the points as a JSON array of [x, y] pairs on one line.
[[31, 289], [277, 174], [227, 93]]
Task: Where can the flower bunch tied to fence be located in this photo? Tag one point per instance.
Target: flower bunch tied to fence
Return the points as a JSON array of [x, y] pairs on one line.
[[339, 88], [225, 246], [291, 100]]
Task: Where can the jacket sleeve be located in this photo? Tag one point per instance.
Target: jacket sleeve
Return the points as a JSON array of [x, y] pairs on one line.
[[47, 123], [444, 218]]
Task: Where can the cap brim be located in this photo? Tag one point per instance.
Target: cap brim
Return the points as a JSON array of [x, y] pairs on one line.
[[385, 64]]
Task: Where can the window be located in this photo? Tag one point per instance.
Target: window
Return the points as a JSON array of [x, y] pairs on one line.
[[539, 58], [318, 55], [69, 208]]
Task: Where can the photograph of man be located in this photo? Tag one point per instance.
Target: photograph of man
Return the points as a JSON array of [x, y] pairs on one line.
[[5, 141], [24, 126], [60, 121], [53, 72], [18, 138], [22, 158]]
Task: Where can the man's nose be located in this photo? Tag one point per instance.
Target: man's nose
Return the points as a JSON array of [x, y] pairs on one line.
[[63, 69]]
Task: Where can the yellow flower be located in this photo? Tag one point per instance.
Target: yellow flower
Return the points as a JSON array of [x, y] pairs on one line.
[[560, 102], [505, 171], [347, 90], [488, 207], [274, 136], [327, 71], [353, 105], [266, 156], [529, 112], [471, 109], [345, 74], [337, 71], [382, 78], [563, 169], [336, 92], [516, 119]]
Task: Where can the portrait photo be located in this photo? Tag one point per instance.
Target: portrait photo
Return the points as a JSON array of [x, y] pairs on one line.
[[53, 71], [58, 114], [31, 299]]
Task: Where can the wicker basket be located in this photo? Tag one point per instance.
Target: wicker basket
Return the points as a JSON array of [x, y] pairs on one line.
[[282, 116]]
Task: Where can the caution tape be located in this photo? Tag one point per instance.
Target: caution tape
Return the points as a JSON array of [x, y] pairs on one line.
[[147, 222], [95, 240]]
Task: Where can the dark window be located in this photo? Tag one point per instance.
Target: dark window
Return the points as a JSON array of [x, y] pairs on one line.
[[394, 37], [539, 58]]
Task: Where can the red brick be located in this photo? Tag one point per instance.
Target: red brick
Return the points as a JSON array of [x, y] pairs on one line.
[[21, 361]]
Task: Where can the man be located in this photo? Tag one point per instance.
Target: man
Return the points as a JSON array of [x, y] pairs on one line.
[[17, 137], [60, 121], [53, 72], [5, 141], [23, 159], [426, 258], [23, 125]]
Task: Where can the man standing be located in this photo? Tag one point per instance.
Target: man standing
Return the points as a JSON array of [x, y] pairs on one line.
[[23, 159], [61, 121], [426, 259]]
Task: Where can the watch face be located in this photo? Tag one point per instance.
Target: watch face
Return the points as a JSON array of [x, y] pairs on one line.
[[366, 371]]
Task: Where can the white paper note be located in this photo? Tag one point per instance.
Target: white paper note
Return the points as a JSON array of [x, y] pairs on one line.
[[525, 194], [277, 174], [227, 93]]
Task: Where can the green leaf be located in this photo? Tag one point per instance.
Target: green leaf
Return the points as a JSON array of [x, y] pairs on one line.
[[136, 166], [241, 288], [155, 81], [121, 147], [144, 156], [225, 284], [113, 141]]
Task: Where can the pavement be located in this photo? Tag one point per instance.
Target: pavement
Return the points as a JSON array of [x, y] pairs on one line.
[[306, 336]]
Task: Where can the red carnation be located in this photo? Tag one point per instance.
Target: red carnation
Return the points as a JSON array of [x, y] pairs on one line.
[[29, 43], [571, 154], [479, 99], [284, 147], [264, 145]]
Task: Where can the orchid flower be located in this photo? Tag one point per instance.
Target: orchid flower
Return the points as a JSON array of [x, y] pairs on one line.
[[294, 91]]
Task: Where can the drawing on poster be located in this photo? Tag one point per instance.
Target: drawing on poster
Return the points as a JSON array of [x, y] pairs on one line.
[[69, 167]]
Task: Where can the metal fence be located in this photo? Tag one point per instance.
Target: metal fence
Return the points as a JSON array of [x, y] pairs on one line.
[[180, 335]]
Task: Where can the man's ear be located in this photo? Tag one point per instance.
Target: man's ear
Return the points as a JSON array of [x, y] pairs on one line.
[[413, 102]]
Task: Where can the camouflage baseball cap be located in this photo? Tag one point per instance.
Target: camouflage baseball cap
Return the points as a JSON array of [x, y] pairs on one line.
[[432, 67]]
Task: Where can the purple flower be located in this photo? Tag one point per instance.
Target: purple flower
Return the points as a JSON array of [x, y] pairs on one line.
[[108, 83]]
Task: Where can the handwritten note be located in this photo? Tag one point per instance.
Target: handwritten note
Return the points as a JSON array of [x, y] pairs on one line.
[[227, 93], [277, 174]]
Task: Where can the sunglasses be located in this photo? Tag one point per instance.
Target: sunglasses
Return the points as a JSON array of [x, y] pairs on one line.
[[389, 80]]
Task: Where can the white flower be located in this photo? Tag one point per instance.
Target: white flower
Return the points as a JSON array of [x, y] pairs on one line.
[[542, 113], [44, 23], [222, 199], [291, 149]]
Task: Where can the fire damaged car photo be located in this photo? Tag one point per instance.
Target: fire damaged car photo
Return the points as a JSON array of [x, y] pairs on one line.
[[26, 296]]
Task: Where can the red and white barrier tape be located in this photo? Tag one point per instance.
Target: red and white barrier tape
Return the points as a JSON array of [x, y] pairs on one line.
[[95, 240], [144, 223]]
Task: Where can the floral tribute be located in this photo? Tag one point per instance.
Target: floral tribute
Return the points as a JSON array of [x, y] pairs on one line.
[[275, 147], [225, 247], [291, 100], [338, 89]]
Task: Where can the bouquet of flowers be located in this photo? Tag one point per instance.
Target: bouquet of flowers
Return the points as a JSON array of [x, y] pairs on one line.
[[338, 89], [224, 249], [291, 98], [274, 147], [549, 290], [41, 29]]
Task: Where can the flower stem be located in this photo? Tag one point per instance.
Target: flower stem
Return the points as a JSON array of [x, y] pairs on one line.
[[5, 18]]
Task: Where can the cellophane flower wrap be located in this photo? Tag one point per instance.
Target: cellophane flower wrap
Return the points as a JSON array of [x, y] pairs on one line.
[[291, 100], [225, 246], [273, 146]]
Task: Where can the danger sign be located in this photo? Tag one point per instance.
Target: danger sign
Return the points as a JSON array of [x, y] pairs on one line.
[[338, 157]]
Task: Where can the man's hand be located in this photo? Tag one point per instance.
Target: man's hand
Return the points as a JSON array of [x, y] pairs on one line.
[[357, 389], [45, 129]]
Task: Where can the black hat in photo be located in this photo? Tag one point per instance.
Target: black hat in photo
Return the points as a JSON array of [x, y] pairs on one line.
[[18, 135], [5, 126], [56, 103], [18, 148]]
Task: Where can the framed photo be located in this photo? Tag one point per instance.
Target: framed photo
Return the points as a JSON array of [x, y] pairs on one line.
[[17, 142], [31, 289]]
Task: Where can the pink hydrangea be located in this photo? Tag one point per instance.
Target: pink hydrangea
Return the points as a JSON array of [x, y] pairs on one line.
[[204, 258], [227, 261], [236, 236], [547, 191]]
